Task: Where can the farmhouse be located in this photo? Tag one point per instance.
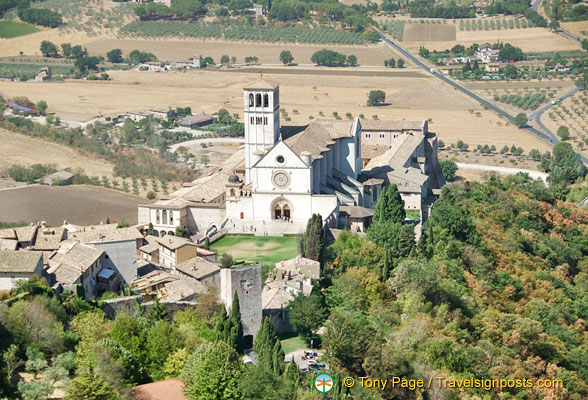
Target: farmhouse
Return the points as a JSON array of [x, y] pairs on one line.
[[59, 178], [492, 67], [192, 121], [44, 75], [285, 173], [18, 265], [23, 109]]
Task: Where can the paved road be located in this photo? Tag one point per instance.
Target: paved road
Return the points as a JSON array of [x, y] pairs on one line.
[[504, 170], [536, 4], [549, 137], [535, 116]]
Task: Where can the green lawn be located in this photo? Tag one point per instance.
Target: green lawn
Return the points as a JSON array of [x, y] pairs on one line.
[[291, 342], [257, 249], [12, 29]]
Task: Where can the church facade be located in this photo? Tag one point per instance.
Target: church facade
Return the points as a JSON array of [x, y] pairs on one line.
[[284, 174]]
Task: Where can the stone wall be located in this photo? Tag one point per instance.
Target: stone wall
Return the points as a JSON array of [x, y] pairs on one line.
[[113, 306]]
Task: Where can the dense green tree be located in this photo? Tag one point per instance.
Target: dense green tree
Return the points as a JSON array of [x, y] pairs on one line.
[[66, 50], [213, 372], [390, 207], [286, 57], [162, 340], [521, 120], [41, 107], [376, 97], [48, 49], [114, 56], [400, 63], [396, 238], [563, 132], [90, 386], [187, 8], [182, 232], [328, 58], [40, 16], [307, 314], [257, 383], [566, 165], [449, 168], [352, 60]]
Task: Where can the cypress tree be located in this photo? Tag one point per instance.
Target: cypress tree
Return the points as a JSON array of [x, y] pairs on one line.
[[278, 358], [390, 207], [313, 238], [236, 325], [206, 243], [293, 373]]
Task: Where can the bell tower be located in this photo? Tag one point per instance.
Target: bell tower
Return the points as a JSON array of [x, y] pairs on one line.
[[262, 120]]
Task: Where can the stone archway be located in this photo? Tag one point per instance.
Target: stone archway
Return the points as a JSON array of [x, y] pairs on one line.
[[281, 209]]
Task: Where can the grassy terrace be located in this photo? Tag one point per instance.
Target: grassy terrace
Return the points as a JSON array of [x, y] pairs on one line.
[[12, 29], [257, 249]]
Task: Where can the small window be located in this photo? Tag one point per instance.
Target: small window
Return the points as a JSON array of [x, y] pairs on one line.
[[381, 136], [252, 121], [250, 99], [265, 100], [280, 159]]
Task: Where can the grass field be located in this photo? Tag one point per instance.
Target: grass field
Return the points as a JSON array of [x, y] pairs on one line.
[[257, 249], [76, 204], [12, 29], [291, 342]]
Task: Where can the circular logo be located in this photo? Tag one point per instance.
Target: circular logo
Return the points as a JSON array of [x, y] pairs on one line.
[[323, 383], [281, 179]]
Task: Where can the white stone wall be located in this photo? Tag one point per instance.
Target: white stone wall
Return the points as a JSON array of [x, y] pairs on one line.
[[235, 208], [8, 280], [200, 218]]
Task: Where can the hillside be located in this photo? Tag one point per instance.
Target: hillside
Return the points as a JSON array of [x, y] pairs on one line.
[[496, 290]]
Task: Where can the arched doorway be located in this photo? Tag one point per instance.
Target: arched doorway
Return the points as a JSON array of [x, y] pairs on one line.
[[281, 209], [242, 215]]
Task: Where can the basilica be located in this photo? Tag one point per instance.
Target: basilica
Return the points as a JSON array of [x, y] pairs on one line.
[[285, 173]]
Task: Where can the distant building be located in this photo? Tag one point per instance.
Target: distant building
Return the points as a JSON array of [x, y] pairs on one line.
[[23, 109], [480, 6], [561, 68], [162, 115], [150, 249], [193, 121], [24, 235], [492, 67], [44, 75], [174, 250], [120, 246], [18, 265], [290, 279], [59, 178], [195, 62], [75, 263], [138, 116]]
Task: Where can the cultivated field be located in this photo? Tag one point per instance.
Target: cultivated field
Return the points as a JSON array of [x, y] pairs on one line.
[[579, 28], [572, 113], [530, 39], [415, 32], [518, 97], [11, 29], [257, 249], [316, 92], [24, 150], [76, 204], [266, 53]]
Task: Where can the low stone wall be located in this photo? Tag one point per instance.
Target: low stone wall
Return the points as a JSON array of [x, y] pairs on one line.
[[113, 306]]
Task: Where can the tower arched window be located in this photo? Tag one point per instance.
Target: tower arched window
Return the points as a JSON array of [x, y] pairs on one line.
[[258, 100], [251, 100], [164, 217], [157, 217], [265, 100]]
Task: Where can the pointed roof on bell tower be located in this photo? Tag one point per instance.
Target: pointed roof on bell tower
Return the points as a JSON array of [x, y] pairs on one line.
[[262, 84]]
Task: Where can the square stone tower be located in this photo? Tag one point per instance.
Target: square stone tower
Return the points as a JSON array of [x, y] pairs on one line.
[[246, 281], [261, 118]]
